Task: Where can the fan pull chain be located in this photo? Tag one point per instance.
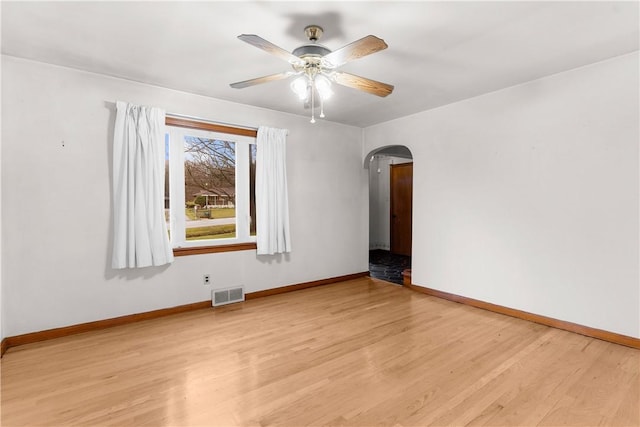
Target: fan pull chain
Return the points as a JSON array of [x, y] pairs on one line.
[[321, 107], [313, 101]]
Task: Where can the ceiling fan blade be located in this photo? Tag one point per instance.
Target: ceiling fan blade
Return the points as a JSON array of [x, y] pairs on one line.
[[260, 80], [361, 83], [271, 48], [359, 48]]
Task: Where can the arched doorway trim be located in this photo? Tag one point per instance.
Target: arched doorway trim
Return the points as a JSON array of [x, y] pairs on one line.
[[388, 150]]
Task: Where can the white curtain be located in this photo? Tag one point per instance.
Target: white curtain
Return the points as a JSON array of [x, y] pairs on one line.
[[140, 232], [272, 203]]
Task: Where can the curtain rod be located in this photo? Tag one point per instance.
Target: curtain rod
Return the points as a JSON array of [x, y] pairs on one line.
[[200, 119]]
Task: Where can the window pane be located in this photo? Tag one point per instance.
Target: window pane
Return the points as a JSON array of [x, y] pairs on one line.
[[210, 188], [252, 188]]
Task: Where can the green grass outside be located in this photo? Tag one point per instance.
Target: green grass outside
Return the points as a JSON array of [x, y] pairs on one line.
[[211, 232], [213, 213]]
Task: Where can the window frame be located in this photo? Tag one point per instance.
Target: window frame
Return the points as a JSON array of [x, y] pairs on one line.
[[243, 137]]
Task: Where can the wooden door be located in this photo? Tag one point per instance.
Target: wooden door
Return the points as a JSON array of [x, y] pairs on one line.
[[401, 208]]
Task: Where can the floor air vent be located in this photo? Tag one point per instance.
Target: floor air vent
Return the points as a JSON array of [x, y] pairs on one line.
[[227, 296]]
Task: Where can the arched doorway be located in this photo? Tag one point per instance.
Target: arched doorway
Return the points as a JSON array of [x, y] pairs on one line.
[[390, 211]]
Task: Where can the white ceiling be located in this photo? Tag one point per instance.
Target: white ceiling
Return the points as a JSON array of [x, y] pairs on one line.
[[439, 52]]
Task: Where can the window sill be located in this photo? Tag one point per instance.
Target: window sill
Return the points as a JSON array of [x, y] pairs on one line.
[[199, 250]]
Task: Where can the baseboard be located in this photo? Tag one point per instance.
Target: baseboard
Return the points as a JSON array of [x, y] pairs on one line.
[[305, 285], [32, 337], [98, 324], [548, 321], [3, 346]]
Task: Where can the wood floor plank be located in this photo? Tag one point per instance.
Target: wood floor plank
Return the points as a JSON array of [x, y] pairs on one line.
[[357, 353]]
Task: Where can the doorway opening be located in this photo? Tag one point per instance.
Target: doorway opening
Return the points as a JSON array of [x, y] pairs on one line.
[[390, 212]]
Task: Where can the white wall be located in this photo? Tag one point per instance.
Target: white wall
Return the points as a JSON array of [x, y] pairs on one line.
[[56, 202], [380, 200], [1, 227], [528, 197]]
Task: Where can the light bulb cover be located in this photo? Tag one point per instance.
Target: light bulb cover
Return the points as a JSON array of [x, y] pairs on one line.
[[300, 87], [323, 86]]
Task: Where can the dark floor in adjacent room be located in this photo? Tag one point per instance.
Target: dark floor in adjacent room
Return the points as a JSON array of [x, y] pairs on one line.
[[387, 266]]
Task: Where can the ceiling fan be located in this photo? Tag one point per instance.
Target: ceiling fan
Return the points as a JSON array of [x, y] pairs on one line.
[[316, 67]]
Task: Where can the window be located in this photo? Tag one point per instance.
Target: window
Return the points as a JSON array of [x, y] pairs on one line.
[[211, 185]]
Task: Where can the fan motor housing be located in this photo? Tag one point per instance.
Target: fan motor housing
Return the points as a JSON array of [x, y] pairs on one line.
[[311, 49]]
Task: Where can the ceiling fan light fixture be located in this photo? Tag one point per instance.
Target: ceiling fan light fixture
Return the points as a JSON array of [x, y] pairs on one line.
[[316, 67], [323, 86], [300, 87]]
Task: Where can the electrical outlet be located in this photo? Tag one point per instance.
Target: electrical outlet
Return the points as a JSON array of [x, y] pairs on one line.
[[206, 280]]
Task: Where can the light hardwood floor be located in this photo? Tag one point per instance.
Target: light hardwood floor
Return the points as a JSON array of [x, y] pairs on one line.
[[360, 353]]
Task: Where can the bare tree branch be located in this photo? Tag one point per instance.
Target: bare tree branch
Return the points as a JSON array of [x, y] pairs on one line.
[[210, 165]]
